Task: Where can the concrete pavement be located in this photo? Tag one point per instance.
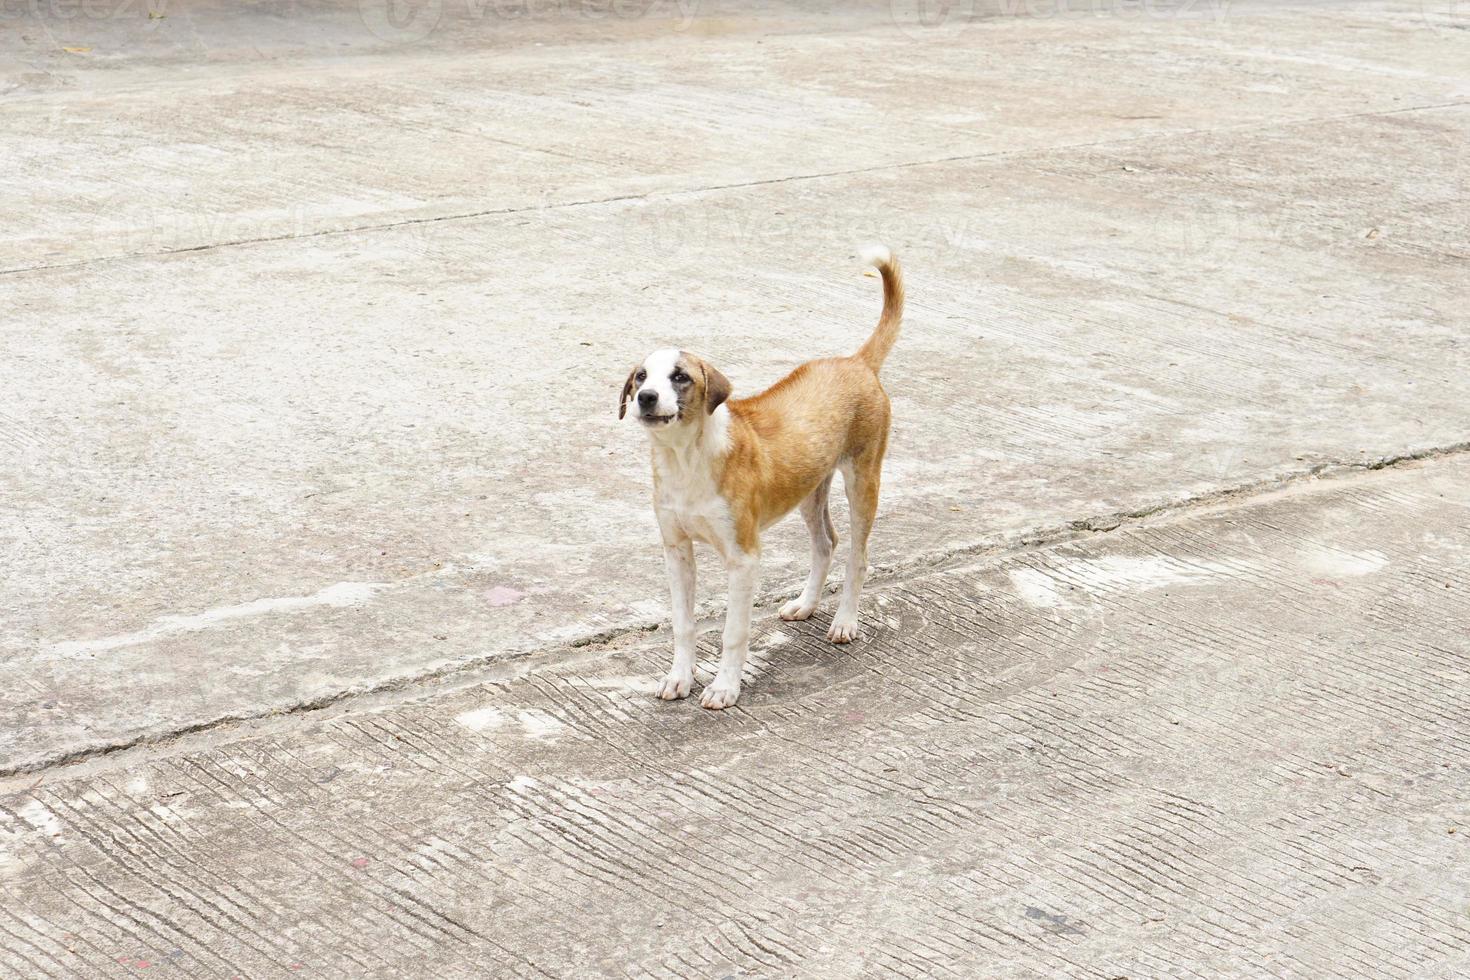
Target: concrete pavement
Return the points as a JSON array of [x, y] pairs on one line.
[[1229, 744], [329, 569], [1150, 259]]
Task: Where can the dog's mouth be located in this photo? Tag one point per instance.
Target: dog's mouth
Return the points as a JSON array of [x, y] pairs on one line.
[[655, 419]]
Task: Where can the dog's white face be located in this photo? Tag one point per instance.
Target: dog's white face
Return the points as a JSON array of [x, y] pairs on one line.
[[672, 387], [660, 384]]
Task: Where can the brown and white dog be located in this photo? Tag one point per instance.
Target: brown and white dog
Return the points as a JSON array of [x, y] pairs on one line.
[[724, 471]]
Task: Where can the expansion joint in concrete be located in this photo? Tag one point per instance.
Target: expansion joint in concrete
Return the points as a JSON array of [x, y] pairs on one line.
[[419, 684], [714, 188]]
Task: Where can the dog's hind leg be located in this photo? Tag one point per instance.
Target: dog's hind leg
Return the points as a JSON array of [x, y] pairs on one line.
[[860, 477], [818, 519]]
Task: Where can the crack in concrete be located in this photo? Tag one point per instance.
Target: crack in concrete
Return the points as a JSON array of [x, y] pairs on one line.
[[419, 684], [737, 185]]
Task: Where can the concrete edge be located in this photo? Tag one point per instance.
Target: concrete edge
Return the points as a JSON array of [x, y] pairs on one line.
[[416, 686]]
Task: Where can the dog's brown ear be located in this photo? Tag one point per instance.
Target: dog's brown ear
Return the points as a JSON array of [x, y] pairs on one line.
[[716, 389], [627, 392]]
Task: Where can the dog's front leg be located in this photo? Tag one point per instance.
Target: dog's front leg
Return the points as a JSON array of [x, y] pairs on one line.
[[679, 559], [724, 690]]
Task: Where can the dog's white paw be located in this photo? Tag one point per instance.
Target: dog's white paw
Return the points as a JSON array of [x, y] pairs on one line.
[[676, 685], [722, 692], [844, 629], [798, 609]]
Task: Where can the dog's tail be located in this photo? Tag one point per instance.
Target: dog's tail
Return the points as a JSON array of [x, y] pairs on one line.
[[876, 349]]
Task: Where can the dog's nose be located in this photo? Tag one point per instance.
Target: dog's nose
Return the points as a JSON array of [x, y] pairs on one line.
[[647, 399]]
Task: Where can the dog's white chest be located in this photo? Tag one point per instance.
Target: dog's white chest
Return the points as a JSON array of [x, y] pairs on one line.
[[690, 506], [699, 514]]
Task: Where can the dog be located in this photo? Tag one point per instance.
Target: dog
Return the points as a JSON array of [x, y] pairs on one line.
[[725, 470]]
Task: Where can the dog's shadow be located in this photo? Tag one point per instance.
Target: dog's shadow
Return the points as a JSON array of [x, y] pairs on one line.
[[957, 640], [791, 662]]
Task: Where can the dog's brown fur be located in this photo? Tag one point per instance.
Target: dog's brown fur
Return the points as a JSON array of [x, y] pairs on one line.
[[786, 441]]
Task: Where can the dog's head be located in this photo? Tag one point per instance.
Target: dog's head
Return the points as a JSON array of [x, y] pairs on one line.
[[672, 388]]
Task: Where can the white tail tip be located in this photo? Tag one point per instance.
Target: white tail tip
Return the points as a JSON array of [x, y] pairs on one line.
[[876, 255]]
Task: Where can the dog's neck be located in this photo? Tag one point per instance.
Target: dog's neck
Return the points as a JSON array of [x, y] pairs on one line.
[[701, 444]]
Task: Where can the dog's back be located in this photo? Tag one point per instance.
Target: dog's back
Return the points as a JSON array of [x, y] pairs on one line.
[[823, 413]]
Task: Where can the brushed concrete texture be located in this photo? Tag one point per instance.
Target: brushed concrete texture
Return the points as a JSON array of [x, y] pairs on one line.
[[1150, 258], [1227, 745]]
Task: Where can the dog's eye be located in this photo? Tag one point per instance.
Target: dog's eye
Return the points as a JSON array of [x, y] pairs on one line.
[[679, 377], [641, 376]]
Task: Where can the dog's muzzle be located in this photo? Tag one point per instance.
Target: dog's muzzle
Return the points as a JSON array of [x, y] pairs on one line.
[[647, 406]]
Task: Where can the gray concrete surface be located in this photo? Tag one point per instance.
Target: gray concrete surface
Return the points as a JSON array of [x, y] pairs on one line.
[[1151, 258], [1231, 743], [330, 572]]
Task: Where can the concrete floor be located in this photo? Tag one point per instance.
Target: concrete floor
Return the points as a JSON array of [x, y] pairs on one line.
[[314, 331], [1194, 747]]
